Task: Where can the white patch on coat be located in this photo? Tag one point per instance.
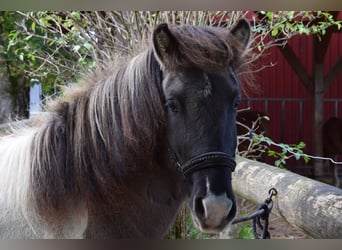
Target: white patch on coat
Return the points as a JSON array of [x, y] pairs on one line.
[[216, 207]]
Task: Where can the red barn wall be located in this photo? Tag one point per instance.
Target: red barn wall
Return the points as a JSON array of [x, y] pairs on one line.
[[283, 97]]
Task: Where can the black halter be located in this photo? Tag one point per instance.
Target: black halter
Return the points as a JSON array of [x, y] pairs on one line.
[[202, 161]]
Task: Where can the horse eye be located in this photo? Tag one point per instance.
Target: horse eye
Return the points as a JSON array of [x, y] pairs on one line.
[[236, 105], [171, 105]]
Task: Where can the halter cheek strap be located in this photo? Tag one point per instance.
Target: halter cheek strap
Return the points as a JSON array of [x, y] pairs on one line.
[[202, 161]]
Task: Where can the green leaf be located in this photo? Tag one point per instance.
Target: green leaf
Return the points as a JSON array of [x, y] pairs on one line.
[[272, 153], [76, 48], [33, 26], [269, 15], [88, 46], [274, 32], [277, 163], [76, 15], [338, 24], [51, 42], [301, 145], [297, 156], [32, 57], [290, 15], [306, 159], [289, 26], [28, 37]]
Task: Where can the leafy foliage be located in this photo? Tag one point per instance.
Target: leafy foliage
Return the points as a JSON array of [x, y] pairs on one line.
[[56, 47], [259, 143], [46, 47], [287, 151], [289, 23], [246, 232]]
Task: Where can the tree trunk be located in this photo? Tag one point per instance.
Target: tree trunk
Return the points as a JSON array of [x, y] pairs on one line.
[[179, 228], [6, 106], [21, 98], [14, 95], [309, 205]]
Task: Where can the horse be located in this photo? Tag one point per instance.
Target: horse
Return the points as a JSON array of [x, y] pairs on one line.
[[332, 144], [249, 123], [118, 156]]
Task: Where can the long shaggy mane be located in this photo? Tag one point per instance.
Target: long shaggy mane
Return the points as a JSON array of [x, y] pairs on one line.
[[98, 134]]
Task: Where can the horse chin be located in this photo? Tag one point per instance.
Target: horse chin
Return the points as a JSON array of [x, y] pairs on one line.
[[212, 230]]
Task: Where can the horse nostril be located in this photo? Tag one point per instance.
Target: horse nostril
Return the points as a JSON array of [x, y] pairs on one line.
[[232, 212], [199, 208]]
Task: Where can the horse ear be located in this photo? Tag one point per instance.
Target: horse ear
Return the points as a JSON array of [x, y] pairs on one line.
[[164, 43], [242, 32]]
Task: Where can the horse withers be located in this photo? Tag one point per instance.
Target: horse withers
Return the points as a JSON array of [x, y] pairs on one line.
[[117, 157]]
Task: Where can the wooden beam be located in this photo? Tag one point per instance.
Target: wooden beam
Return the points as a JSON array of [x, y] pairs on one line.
[[297, 66], [321, 46], [312, 206], [333, 73]]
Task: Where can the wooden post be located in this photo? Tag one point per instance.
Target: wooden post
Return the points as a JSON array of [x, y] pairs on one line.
[[312, 206], [319, 51], [318, 113]]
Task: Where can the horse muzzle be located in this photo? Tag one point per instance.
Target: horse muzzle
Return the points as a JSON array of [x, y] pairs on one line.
[[212, 210]]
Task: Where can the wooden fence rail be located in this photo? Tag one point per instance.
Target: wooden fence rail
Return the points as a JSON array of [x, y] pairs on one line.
[[312, 206]]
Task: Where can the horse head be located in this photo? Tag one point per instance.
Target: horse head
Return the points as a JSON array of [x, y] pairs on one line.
[[201, 93]]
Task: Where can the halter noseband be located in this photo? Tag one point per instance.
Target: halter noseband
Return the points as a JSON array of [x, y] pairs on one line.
[[202, 161]]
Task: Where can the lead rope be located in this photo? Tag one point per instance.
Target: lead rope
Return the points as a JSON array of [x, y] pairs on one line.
[[260, 217]]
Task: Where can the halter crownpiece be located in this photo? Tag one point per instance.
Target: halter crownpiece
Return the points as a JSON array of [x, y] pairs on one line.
[[202, 161]]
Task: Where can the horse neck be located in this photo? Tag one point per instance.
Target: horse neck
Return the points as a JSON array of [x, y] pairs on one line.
[[105, 132], [148, 207]]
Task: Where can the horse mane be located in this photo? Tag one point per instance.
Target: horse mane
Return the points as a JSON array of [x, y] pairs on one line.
[[94, 137]]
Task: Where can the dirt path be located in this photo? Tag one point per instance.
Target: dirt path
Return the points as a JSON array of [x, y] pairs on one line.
[[278, 227]]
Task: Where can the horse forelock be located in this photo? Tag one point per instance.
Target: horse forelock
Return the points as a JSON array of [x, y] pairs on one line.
[[98, 135], [208, 48]]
